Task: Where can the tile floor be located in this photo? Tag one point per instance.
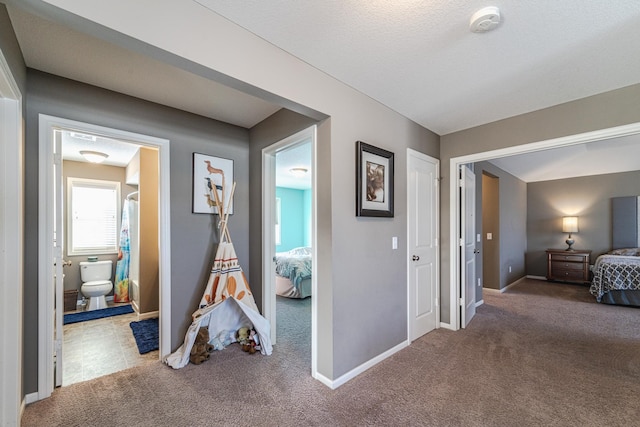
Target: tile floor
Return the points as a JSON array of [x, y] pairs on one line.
[[100, 347]]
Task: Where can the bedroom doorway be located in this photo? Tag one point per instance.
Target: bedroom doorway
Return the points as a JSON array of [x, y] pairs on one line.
[[289, 225], [455, 291]]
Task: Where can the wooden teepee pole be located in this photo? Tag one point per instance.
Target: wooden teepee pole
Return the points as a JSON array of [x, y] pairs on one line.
[[227, 210], [224, 213]]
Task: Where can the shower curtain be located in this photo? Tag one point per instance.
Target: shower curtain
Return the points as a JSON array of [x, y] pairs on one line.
[[121, 289]]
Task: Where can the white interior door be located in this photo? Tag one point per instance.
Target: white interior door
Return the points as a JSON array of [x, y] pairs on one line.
[[58, 254], [468, 244], [422, 241]]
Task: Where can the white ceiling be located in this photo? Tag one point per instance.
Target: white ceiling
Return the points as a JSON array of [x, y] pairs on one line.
[[418, 58], [295, 157], [594, 158], [119, 153], [56, 49]]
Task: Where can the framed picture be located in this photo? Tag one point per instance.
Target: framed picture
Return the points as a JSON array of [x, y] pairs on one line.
[[211, 174], [374, 181]]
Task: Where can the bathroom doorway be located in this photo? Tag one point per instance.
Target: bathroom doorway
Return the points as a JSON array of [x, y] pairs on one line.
[[100, 346], [97, 347]]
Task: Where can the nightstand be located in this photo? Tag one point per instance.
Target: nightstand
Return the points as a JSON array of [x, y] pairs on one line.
[[568, 266]]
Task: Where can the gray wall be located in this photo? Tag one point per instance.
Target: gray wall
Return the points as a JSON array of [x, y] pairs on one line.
[[589, 198], [512, 233], [614, 108], [73, 169], [356, 262], [193, 236], [11, 51]]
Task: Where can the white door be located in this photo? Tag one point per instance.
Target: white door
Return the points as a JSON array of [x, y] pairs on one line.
[[468, 244], [58, 254], [422, 241]]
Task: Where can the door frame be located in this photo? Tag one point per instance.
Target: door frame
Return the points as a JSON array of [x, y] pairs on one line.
[[454, 205], [436, 213], [268, 234], [11, 246], [46, 295]]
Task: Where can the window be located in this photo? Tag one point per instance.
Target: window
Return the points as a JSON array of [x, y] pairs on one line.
[[93, 208]]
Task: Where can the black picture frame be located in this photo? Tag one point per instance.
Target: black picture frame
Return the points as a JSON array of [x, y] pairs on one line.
[[209, 172], [374, 181]]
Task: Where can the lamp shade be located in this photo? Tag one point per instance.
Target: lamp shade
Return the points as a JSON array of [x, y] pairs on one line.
[[570, 224]]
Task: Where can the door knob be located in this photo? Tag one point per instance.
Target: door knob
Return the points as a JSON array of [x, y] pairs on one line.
[[415, 258]]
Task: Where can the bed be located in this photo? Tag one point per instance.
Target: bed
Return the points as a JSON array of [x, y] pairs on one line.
[[293, 273], [616, 277]]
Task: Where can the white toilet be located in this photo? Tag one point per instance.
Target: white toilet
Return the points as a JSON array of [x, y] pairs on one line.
[[96, 282]]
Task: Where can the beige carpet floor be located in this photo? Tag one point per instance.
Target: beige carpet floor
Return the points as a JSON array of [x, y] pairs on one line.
[[540, 354]]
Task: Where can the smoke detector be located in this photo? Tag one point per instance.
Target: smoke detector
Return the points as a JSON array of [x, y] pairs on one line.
[[486, 19]]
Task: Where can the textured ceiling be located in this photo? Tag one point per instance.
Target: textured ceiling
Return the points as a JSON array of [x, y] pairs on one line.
[[420, 59], [417, 57], [56, 49]]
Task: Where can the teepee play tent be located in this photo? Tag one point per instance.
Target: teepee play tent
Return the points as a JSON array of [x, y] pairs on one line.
[[227, 303]]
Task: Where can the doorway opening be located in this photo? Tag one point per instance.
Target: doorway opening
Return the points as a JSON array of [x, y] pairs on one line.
[[289, 236], [60, 140], [490, 231], [456, 293]]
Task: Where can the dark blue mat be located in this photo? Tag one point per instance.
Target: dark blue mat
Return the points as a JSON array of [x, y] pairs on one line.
[[146, 334], [97, 314]]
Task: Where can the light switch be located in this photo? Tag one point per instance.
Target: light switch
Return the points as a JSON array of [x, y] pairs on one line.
[[478, 238], [489, 236], [394, 243]]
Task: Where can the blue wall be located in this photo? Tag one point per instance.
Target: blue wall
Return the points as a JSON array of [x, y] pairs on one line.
[[295, 217]]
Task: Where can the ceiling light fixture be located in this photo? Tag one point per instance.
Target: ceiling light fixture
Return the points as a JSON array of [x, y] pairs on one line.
[[486, 19], [94, 156], [298, 172]]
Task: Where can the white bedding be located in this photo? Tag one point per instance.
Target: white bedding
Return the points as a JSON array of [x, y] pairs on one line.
[[293, 273]]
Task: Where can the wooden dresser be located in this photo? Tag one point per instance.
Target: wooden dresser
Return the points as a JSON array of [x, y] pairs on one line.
[[568, 266]]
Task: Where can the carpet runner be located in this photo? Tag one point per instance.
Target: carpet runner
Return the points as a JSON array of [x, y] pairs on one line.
[[96, 314]]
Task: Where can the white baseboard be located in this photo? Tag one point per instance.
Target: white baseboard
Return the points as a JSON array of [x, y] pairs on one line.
[[508, 286], [148, 315], [536, 277], [513, 283], [334, 384], [31, 397], [479, 303], [448, 326]]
